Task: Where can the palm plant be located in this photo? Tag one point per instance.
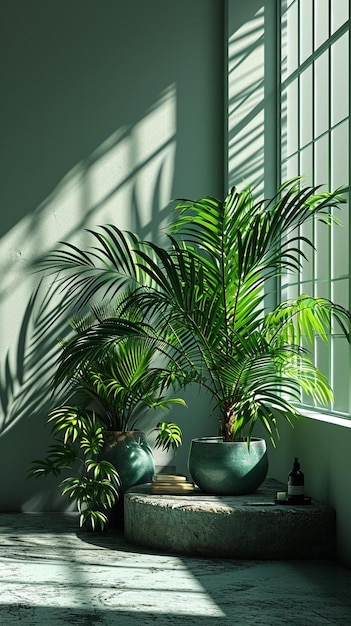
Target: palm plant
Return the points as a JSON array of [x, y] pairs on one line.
[[109, 390], [126, 380], [203, 301]]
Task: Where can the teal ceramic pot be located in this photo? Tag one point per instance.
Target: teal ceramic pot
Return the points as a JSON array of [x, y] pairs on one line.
[[131, 455], [228, 468]]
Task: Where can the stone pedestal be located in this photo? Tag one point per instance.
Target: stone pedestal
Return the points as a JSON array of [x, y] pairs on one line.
[[242, 527]]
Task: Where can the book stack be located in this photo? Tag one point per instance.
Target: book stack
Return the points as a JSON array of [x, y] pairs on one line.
[[171, 484]]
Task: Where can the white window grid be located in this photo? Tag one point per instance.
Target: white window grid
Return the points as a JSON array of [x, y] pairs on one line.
[[314, 95]]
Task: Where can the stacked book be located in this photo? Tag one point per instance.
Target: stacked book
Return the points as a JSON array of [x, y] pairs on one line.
[[171, 484]]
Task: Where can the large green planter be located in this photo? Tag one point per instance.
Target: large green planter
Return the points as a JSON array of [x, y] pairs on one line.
[[228, 468], [131, 455]]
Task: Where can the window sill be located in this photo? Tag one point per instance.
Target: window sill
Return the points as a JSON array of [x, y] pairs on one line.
[[327, 417]]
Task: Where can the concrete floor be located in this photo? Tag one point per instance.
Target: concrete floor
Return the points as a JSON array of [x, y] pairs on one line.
[[54, 574]]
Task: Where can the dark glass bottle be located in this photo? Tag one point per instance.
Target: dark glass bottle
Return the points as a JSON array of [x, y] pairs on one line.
[[296, 484]]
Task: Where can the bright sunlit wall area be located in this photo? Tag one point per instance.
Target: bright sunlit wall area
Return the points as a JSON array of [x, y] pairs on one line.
[[109, 111]]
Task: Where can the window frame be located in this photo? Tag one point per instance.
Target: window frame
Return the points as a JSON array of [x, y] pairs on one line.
[[284, 81]]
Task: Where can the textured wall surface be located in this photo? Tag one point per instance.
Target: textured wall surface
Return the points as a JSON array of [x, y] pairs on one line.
[[108, 112]]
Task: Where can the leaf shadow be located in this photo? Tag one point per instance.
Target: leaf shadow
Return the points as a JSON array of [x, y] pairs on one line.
[[27, 370]]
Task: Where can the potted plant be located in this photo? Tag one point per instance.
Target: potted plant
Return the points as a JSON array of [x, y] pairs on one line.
[[203, 295], [94, 485], [98, 436]]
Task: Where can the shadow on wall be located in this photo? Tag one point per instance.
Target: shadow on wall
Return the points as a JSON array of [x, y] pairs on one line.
[[94, 101], [89, 194], [251, 125]]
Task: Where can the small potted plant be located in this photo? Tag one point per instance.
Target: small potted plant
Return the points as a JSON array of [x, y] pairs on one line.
[[203, 296], [97, 436]]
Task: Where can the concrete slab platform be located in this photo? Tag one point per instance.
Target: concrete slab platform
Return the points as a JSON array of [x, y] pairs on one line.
[[242, 527]]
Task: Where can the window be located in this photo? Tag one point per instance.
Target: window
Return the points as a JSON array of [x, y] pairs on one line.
[[314, 93]]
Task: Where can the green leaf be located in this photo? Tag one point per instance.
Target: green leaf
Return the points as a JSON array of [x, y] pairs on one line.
[[195, 310], [169, 436]]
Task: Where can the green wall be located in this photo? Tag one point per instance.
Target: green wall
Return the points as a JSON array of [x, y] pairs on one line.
[[109, 110], [324, 452]]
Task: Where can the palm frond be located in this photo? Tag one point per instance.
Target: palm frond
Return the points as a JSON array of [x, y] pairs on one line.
[[198, 304], [307, 317]]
